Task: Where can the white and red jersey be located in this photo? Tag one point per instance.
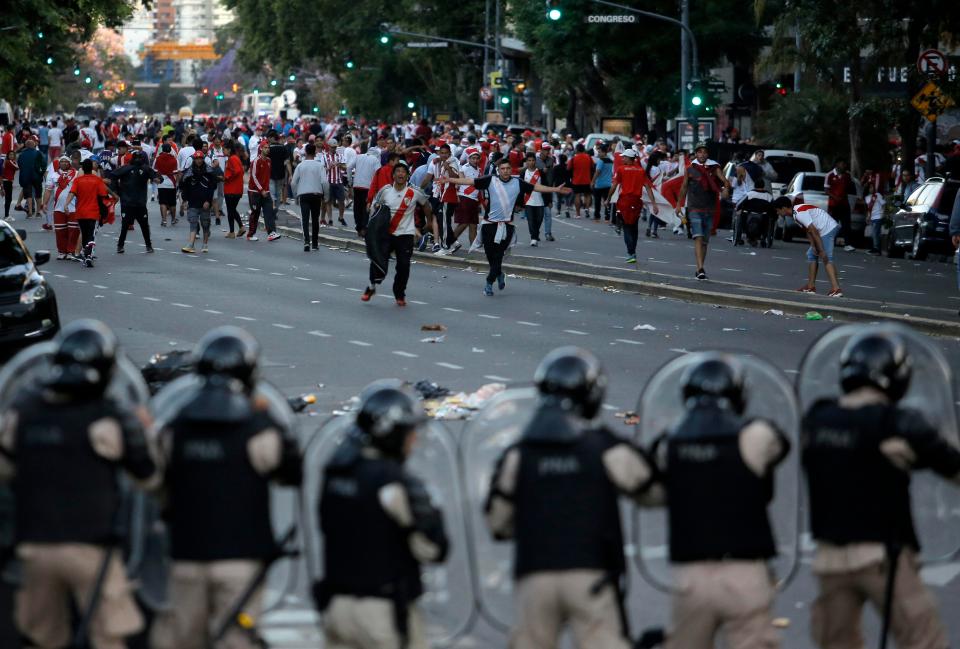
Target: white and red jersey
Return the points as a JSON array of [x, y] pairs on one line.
[[335, 171], [807, 215], [7, 142], [533, 199], [442, 190], [468, 191], [61, 191], [401, 204]]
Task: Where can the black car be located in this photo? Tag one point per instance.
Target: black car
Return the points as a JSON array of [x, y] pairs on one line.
[[922, 224], [28, 305]]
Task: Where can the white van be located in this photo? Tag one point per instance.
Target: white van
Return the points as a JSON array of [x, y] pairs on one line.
[[788, 164]]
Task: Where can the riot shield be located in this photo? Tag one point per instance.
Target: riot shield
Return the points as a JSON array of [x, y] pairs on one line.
[[152, 571], [498, 425], [447, 601], [769, 396], [936, 504]]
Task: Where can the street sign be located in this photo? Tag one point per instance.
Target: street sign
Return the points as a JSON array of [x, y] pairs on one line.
[[931, 101], [426, 44], [486, 94], [717, 85], [932, 62], [706, 126], [496, 79]]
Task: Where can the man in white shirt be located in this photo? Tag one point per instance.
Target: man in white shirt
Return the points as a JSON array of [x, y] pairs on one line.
[[396, 235], [822, 231], [532, 201], [55, 137], [253, 146], [467, 214], [362, 170], [184, 162], [307, 183]]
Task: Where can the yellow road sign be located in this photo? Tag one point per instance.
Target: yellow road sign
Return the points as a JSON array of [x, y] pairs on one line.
[[931, 101]]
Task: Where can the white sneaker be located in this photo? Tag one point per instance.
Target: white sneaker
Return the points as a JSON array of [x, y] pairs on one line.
[[273, 236], [848, 248], [253, 238], [534, 243]]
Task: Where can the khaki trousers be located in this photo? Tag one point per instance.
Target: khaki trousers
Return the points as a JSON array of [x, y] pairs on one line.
[[837, 612], [549, 600], [202, 594], [55, 574], [367, 623], [735, 597]]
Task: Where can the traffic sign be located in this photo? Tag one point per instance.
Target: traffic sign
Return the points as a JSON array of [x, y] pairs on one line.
[[486, 94], [931, 101], [496, 79], [932, 62]]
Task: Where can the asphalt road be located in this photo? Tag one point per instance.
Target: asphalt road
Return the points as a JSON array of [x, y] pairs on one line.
[[318, 337]]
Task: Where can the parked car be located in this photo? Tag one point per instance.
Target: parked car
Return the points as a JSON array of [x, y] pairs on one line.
[[28, 305], [807, 187], [922, 224]]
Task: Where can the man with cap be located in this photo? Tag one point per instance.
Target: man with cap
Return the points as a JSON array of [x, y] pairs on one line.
[[467, 214], [220, 452], [858, 454], [65, 443], [702, 183], [555, 493], [379, 525], [258, 195], [197, 187], [631, 180]]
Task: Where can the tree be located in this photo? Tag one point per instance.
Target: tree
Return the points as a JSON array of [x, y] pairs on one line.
[[37, 30]]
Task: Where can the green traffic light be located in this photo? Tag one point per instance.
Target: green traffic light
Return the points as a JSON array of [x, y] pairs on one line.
[[49, 60], [504, 100], [39, 34], [100, 86], [410, 104], [292, 77], [554, 14], [76, 72], [349, 65], [256, 91], [316, 109], [343, 111], [273, 82], [696, 100], [384, 39]]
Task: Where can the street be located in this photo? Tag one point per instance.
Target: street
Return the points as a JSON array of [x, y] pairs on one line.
[[318, 337]]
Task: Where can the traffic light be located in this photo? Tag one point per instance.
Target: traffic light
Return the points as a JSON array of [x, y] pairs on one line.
[[411, 105], [220, 96], [87, 79], [316, 109], [292, 77], [273, 82], [40, 35], [696, 93], [781, 89], [553, 12], [76, 72], [49, 60], [99, 85], [123, 86], [235, 87], [206, 91], [256, 91], [349, 63], [384, 39], [343, 110], [505, 100]]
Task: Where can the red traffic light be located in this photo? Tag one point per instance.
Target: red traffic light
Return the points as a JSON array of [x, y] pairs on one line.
[[782, 92]]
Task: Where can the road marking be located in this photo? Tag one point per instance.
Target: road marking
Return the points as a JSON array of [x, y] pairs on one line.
[[319, 334], [782, 258], [575, 332], [234, 265], [911, 292], [862, 286], [852, 266], [629, 342], [679, 350], [303, 279], [890, 270], [489, 317], [590, 253], [182, 305], [124, 292], [404, 354], [657, 261], [282, 326], [213, 311], [80, 281], [735, 270], [494, 377], [330, 284], [101, 286], [211, 260], [528, 324], [773, 275], [245, 318], [277, 274], [152, 299], [61, 276], [452, 310], [356, 290], [250, 268], [360, 343], [449, 366], [563, 250], [791, 371], [418, 302]]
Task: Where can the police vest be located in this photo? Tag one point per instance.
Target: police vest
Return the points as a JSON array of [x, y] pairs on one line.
[[566, 512], [366, 553], [65, 492], [219, 505], [717, 505], [856, 494]]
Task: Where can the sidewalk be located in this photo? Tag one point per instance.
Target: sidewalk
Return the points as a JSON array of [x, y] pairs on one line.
[[922, 294]]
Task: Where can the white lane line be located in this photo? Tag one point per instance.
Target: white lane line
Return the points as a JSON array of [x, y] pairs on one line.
[[282, 326], [101, 286], [564, 250], [355, 290], [360, 343], [735, 270], [773, 275], [277, 274], [330, 284], [629, 342], [590, 253], [657, 261], [303, 279], [60, 276], [678, 350], [782, 258], [890, 270], [404, 354], [213, 311], [234, 265], [452, 310], [152, 299], [319, 334], [494, 377], [911, 292], [852, 266], [182, 305], [124, 292], [418, 302], [862, 286], [449, 366], [385, 297], [80, 281], [489, 317], [251, 268], [245, 318], [528, 324], [791, 371], [575, 332], [211, 260]]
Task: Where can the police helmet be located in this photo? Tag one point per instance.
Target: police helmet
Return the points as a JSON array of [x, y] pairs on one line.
[[387, 414], [573, 379], [84, 360], [876, 359], [718, 379], [228, 353]]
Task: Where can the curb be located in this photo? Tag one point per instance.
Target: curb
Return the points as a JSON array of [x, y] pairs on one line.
[[932, 326]]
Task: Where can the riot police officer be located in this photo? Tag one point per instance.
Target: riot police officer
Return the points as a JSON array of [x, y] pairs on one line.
[[718, 469], [858, 452], [555, 493], [220, 451], [379, 526], [65, 443]]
